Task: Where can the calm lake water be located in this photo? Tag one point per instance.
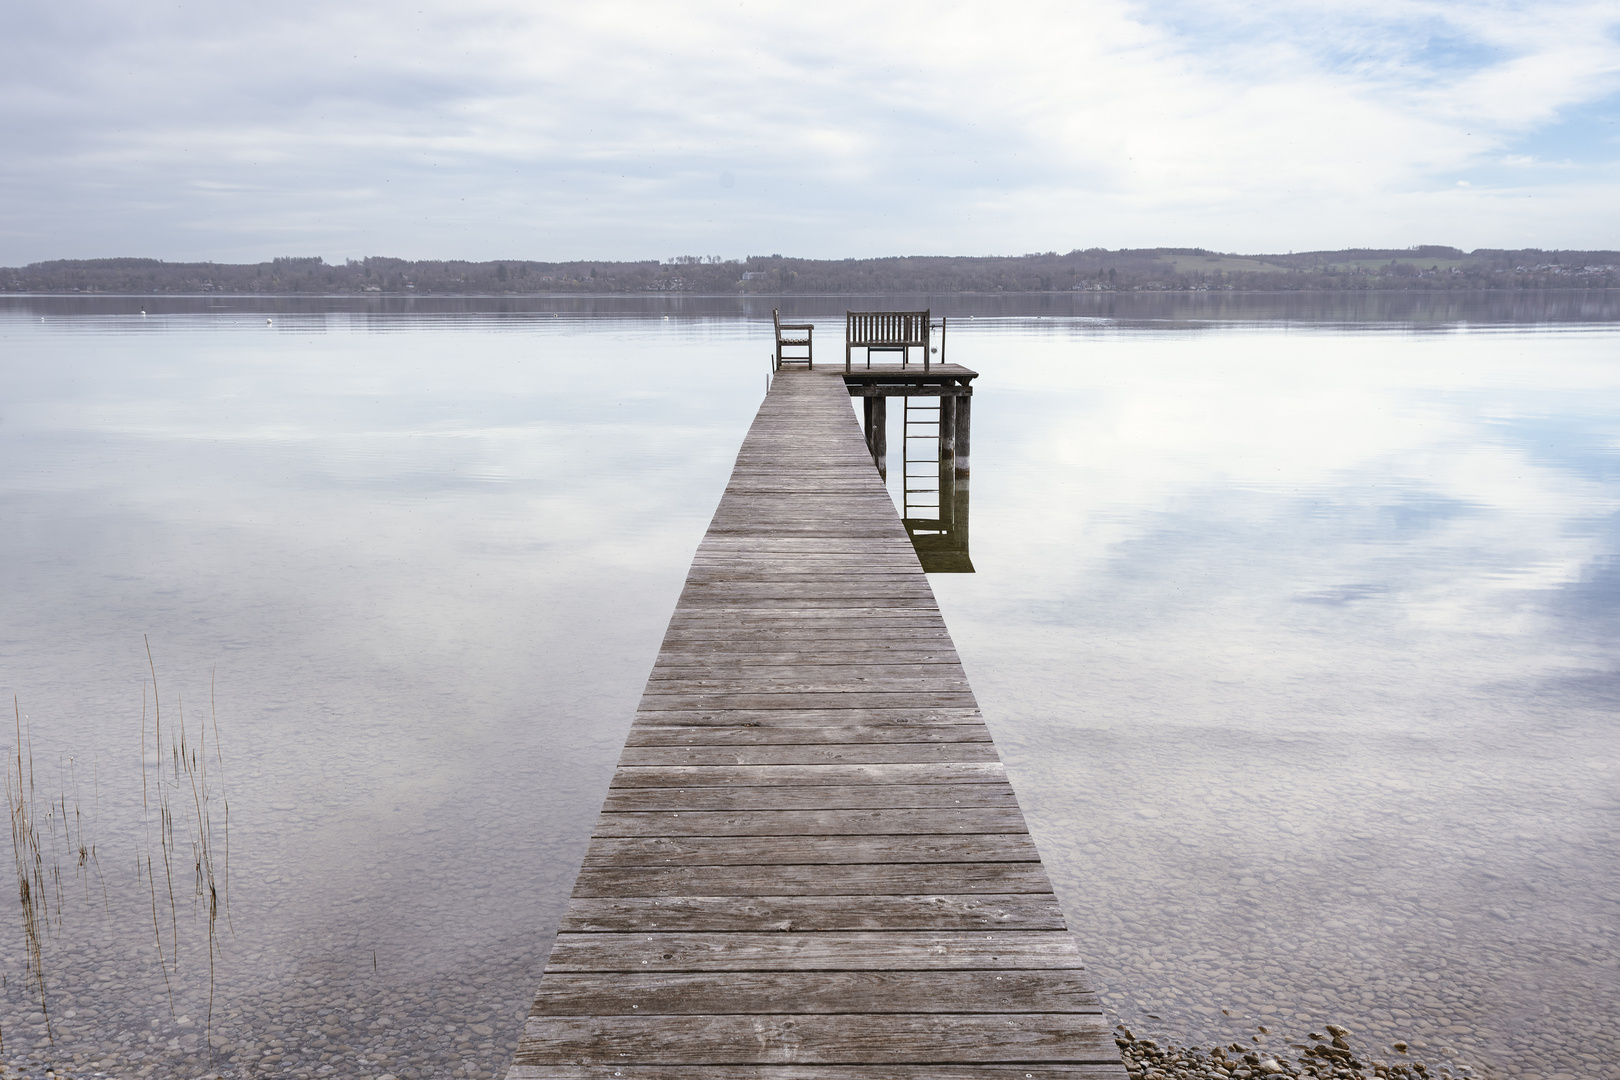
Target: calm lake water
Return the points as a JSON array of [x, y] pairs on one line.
[[1295, 620]]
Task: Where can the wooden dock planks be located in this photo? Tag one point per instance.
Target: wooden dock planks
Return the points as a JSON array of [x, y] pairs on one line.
[[810, 865]]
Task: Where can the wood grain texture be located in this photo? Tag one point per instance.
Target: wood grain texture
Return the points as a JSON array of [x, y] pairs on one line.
[[798, 879], [992, 950], [865, 753], [824, 992], [809, 864], [688, 776], [811, 850], [796, 733], [628, 1070], [780, 914], [813, 823], [857, 1038], [829, 717], [788, 797]]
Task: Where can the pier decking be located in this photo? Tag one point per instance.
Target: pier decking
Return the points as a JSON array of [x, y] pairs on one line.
[[810, 864]]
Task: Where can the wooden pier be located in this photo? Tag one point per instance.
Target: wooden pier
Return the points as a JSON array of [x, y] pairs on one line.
[[810, 865]]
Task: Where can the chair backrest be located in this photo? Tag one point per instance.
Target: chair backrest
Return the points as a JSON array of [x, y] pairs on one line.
[[791, 336]]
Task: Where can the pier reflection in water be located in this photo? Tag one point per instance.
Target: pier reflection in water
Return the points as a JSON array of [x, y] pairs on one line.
[[935, 506], [935, 439]]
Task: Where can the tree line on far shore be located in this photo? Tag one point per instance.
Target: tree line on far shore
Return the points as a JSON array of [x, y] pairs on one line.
[[1429, 267]]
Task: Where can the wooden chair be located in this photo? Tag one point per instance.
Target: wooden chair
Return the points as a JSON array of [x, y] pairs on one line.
[[792, 336]]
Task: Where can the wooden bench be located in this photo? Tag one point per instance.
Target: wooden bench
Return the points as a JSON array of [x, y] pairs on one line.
[[888, 331], [792, 336]]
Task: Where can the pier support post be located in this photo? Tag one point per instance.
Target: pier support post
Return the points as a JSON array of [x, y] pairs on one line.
[[880, 434], [947, 429], [964, 429]]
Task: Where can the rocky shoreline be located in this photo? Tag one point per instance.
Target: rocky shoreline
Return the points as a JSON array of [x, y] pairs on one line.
[[1330, 1053]]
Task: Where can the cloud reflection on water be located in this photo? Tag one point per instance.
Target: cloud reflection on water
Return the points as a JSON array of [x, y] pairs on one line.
[[1326, 611], [1298, 640]]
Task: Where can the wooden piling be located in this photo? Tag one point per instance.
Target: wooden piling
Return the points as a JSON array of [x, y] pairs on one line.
[[963, 437]]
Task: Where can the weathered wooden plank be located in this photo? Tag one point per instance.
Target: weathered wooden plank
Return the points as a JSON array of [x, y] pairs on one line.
[[791, 546], [673, 662], [628, 1070], [796, 565], [881, 717], [855, 879], [851, 515], [792, 612], [893, 543], [806, 528], [782, 578], [738, 626], [942, 679], [830, 699], [810, 682], [732, 659], [837, 690], [813, 992], [791, 797], [870, 586], [825, 823], [929, 950], [831, 732], [757, 851], [923, 626], [939, 671], [766, 914], [863, 1038], [871, 753], [689, 776], [806, 639]]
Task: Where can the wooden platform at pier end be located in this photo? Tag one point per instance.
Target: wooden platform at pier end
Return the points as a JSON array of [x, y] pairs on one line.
[[810, 865]]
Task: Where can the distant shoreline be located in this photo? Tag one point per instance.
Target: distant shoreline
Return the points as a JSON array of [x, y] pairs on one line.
[[413, 295], [1430, 268], [1364, 307]]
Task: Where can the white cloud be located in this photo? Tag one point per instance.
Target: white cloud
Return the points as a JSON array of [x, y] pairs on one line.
[[495, 129]]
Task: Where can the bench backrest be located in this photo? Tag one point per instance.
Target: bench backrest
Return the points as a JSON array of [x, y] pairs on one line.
[[885, 328]]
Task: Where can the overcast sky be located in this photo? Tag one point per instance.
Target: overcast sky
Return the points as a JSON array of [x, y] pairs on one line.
[[615, 130]]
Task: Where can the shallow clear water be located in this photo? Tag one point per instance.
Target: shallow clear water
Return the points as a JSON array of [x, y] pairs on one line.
[[1297, 634]]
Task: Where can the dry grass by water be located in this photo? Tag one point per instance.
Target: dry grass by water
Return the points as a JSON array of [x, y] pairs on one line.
[[182, 795]]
